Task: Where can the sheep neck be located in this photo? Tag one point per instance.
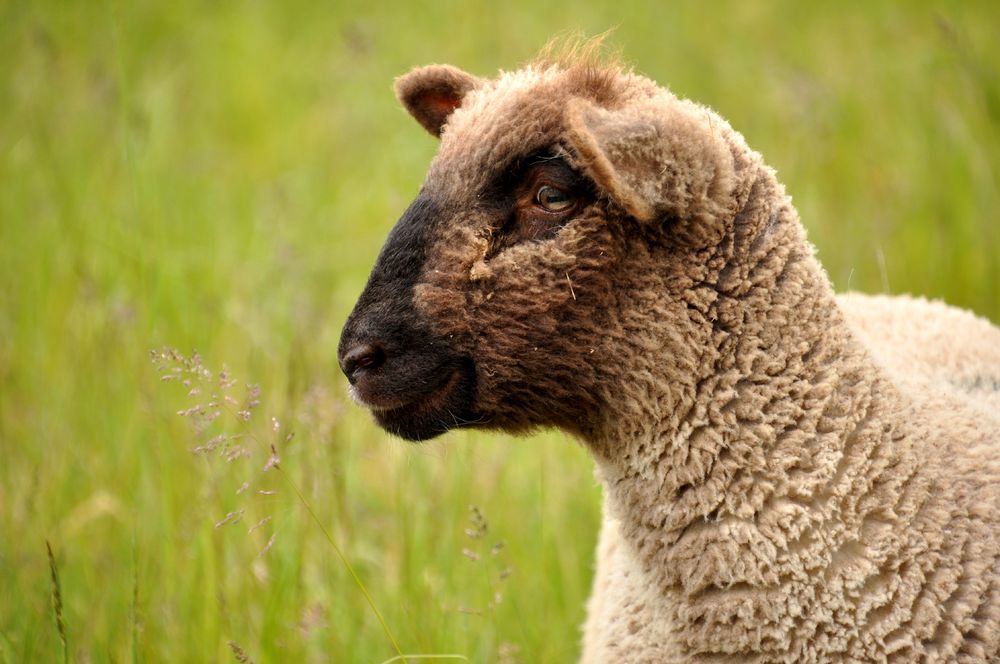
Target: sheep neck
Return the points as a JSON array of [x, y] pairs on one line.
[[751, 442]]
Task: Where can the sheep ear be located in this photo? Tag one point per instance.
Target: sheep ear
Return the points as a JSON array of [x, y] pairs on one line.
[[430, 94], [656, 157]]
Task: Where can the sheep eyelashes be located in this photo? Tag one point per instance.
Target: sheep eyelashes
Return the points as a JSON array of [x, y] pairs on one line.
[[789, 475]]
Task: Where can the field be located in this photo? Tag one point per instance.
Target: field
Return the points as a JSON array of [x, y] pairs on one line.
[[218, 177]]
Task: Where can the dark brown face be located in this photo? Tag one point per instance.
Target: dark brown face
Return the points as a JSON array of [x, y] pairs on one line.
[[545, 267], [417, 382]]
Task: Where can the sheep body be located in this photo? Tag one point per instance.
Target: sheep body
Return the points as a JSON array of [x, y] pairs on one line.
[[788, 476], [809, 505], [922, 340], [945, 353]]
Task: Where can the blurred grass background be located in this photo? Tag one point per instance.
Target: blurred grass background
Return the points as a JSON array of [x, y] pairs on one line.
[[220, 176]]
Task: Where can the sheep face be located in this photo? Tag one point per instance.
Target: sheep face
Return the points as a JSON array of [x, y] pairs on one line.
[[515, 291]]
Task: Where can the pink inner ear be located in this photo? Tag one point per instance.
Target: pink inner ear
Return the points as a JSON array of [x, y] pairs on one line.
[[440, 105], [430, 94]]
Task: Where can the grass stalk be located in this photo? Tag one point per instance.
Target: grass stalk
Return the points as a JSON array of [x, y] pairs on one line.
[[57, 603]]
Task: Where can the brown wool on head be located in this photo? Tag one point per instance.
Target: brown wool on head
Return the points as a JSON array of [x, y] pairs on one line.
[[789, 475]]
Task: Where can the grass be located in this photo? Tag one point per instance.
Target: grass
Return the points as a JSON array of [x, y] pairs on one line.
[[219, 176], [57, 602]]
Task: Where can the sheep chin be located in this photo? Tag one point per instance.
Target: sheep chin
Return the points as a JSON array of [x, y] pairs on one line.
[[429, 415]]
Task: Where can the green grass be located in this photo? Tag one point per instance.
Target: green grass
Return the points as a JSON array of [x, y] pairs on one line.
[[220, 176]]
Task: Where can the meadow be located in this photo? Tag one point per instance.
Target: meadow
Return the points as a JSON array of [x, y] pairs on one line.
[[217, 178]]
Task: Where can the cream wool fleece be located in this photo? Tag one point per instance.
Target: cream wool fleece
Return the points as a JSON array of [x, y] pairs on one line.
[[928, 345], [918, 339]]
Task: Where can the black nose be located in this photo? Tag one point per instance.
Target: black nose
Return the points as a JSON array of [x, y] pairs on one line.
[[361, 358]]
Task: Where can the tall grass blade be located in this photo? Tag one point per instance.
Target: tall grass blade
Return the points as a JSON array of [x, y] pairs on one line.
[[57, 604]]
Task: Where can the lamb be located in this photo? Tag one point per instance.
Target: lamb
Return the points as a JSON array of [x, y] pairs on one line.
[[789, 476]]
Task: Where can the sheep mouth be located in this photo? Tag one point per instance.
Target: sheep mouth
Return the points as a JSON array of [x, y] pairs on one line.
[[445, 407]]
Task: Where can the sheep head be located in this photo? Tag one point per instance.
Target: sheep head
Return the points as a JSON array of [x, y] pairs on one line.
[[569, 208]]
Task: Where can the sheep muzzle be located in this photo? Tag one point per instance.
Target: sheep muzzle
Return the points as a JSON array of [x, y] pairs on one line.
[[415, 384]]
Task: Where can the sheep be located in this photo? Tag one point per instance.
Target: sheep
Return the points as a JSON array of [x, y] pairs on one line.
[[788, 475]]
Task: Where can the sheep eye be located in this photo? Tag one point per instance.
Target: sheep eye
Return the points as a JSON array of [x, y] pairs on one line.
[[551, 199]]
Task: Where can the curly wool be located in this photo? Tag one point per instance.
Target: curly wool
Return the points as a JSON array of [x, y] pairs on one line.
[[919, 340], [800, 502], [939, 349]]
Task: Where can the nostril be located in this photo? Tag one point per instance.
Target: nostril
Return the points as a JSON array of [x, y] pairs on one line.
[[362, 357]]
